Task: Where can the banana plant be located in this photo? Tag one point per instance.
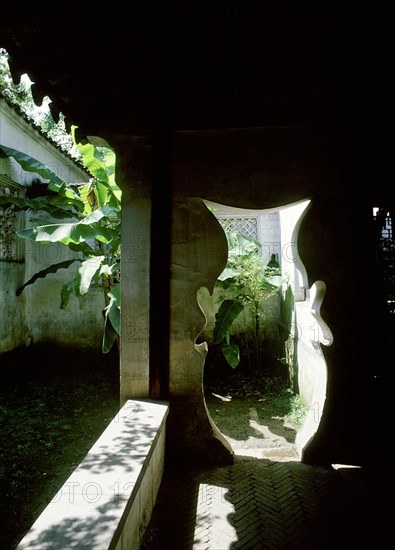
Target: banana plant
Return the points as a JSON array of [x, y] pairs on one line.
[[228, 311], [243, 284], [89, 217]]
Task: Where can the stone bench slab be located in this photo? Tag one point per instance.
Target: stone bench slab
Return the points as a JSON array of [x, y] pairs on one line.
[[118, 478]]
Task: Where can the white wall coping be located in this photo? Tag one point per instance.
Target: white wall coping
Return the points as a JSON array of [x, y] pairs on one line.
[[88, 509], [36, 144]]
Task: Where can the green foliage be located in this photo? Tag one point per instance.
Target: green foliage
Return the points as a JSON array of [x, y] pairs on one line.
[[298, 410], [288, 403], [17, 94], [228, 311], [245, 284], [42, 274], [49, 417], [231, 352], [90, 215], [244, 278], [56, 184], [20, 96]]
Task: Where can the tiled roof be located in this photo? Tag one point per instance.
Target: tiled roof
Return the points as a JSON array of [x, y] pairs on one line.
[[17, 109]]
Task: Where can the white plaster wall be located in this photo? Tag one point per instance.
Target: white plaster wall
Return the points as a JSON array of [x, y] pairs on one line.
[[311, 362], [307, 330], [291, 263], [269, 235], [313, 372], [298, 345], [81, 322], [35, 315], [13, 328]]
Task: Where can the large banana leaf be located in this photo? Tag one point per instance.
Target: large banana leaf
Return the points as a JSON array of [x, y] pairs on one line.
[[225, 316], [72, 287], [102, 167], [110, 335], [53, 268], [239, 244], [109, 161], [57, 207], [228, 273], [89, 268], [91, 159], [67, 233], [112, 319], [30, 164], [110, 269], [231, 353], [95, 208], [115, 306], [98, 214]]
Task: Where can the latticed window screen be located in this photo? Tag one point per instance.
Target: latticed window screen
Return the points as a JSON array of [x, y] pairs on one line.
[[10, 221], [245, 226], [385, 251], [386, 232]]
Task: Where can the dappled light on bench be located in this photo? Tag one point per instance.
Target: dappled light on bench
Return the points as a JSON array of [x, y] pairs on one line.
[[107, 501]]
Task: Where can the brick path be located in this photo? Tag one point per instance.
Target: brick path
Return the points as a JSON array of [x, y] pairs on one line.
[[258, 504]]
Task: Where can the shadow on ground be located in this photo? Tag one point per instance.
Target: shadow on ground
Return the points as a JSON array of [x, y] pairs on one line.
[[260, 504], [54, 404]]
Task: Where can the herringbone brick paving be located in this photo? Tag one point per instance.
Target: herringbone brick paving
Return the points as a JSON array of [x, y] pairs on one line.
[[260, 504]]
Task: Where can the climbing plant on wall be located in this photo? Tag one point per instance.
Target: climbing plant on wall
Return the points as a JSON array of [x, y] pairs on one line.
[[86, 218]]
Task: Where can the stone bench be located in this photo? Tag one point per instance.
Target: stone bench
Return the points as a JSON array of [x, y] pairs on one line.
[[107, 501]]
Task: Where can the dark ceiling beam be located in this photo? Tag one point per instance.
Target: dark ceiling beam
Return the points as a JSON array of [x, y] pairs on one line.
[[216, 64]]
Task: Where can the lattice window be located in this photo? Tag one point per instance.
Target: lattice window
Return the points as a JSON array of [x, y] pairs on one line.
[[386, 231], [245, 226], [385, 251], [10, 221]]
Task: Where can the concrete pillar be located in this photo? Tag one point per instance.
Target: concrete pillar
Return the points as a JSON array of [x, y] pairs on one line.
[[133, 175], [199, 254]]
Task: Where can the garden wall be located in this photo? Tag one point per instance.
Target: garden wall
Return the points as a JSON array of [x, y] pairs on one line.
[[35, 316]]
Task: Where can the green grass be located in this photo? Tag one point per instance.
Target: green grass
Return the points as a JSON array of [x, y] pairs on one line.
[[288, 403], [53, 407]]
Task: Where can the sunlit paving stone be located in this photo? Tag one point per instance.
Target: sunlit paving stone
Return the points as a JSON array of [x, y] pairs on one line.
[[213, 527]]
